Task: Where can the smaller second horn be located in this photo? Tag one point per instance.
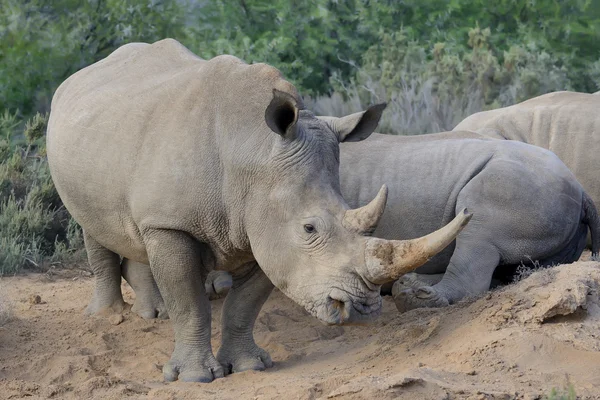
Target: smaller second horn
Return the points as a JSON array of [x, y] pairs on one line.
[[364, 220]]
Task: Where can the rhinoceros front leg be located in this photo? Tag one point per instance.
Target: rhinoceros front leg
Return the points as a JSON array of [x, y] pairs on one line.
[[148, 303], [106, 266], [176, 264], [246, 297]]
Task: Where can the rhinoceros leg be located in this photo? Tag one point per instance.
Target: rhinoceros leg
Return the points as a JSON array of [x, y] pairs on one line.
[[106, 266], [148, 303], [410, 280], [469, 273], [176, 262], [238, 350], [416, 280]]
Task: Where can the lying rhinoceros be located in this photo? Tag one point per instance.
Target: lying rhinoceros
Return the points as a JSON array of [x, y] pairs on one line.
[[191, 165], [567, 123], [527, 205]]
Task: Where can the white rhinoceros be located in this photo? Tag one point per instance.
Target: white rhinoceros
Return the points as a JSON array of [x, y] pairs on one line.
[[527, 206], [190, 166]]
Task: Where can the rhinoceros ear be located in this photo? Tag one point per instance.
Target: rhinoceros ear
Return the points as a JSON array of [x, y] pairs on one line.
[[282, 114], [358, 126]]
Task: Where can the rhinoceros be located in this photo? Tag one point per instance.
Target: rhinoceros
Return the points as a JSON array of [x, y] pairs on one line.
[[528, 207], [567, 123], [192, 165]]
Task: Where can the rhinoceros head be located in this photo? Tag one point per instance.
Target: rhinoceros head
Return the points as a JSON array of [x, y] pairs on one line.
[[307, 240]]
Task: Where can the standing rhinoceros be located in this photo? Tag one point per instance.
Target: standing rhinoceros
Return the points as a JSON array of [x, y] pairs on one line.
[[191, 165], [566, 123]]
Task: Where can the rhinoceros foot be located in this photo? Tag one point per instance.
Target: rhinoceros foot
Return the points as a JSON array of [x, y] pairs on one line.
[[189, 365], [410, 297], [243, 357], [150, 305], [105, 304]]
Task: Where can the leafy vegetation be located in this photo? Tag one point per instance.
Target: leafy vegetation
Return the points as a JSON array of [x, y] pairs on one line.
[[433, 61], [35, 228], [567, 393]]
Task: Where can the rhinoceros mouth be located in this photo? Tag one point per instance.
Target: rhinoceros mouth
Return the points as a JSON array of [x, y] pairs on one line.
[[343, 308]]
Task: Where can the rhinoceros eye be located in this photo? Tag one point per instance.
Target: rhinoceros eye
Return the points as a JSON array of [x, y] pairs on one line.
[[308, 228]]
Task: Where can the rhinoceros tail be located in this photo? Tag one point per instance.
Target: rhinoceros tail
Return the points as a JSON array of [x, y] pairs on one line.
[[590, 218]]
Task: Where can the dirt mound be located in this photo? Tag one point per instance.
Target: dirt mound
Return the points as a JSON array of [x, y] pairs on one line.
[[516, 342]]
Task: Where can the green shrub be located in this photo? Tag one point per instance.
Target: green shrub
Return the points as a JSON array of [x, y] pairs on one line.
[[35, 229], [567, 393], [431, 89], [43, 42]]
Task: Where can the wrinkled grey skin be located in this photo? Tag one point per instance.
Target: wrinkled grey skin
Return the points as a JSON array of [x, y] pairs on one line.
[[566, 123], [149, 303], [191, 166]]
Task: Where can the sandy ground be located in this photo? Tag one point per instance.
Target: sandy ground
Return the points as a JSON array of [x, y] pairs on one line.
[[516, 342]]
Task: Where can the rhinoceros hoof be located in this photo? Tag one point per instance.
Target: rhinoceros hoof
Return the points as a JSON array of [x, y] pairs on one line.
[[236, 359], [422, 297], [106, 308], [150, 309], [187, 366], [407, 281]]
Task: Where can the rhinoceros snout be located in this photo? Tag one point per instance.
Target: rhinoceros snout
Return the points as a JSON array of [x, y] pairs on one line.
[[342, 308]]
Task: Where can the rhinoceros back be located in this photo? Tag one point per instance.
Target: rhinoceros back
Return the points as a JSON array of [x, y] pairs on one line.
[[137, 139]]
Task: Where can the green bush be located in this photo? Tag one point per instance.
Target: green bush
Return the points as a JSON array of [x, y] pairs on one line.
[[35, 229], [567, 393], [42, 42], [431, 89]]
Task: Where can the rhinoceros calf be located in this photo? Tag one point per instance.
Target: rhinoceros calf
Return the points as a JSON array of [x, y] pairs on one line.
[[191, 165], [567, 123]]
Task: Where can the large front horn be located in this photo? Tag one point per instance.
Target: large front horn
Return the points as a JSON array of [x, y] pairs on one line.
[[364, 220], [388, 260]]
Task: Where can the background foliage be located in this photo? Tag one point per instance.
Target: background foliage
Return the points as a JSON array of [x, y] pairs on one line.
[[433, 61]]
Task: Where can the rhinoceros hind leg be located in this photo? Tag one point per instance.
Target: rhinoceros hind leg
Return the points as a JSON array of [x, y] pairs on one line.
[[149, 303], [106, 265], [238, 351]]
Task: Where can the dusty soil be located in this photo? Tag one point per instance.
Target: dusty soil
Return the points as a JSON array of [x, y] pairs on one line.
[[519, 341]]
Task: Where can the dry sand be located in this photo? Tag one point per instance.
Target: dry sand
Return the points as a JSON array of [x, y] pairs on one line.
[[516, 342]]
